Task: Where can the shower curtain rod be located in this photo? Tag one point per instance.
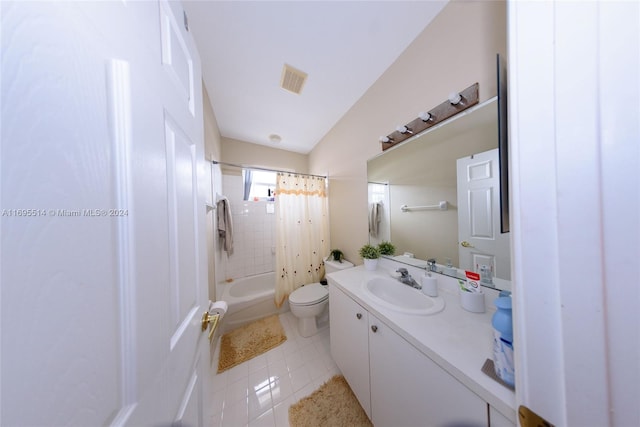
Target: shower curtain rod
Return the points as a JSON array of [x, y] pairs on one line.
[[215, 162]]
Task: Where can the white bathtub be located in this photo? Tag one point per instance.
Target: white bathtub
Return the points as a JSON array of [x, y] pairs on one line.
[[250, 298]]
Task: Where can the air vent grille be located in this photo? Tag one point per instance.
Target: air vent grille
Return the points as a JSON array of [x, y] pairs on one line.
[[292, 79]]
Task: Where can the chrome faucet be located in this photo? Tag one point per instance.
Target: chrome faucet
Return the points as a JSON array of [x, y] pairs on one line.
[[406, 278]]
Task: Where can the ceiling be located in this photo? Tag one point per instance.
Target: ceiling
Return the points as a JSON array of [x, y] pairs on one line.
[[343, 46]]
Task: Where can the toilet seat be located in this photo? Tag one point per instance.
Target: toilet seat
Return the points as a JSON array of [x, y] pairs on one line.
[[311, 294]]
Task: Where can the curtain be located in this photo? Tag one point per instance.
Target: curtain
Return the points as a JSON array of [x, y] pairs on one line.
[[247, 183], [302, 232]]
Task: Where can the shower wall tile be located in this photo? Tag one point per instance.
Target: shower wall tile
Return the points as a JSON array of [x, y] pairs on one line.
[[254, 233]]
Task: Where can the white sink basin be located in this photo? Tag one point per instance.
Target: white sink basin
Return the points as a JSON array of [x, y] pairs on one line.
[[399, 297]]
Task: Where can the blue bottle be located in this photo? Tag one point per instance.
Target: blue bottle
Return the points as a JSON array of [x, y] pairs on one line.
[[503, 340]]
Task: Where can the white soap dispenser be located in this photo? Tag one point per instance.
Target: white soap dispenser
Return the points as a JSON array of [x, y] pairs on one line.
[[429, 285]]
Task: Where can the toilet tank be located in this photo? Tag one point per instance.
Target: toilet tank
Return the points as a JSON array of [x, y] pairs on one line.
[[331, 266]]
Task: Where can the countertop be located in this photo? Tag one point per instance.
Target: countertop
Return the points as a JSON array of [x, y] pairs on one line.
[[457, 340]]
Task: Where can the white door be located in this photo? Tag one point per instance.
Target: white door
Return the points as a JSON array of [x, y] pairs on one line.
[[103, 273], [480, 241]]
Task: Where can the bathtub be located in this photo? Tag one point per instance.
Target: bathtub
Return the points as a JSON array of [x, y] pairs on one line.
[[250, 298]]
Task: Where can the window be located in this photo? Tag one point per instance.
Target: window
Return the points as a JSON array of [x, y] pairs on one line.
[[258, 184]]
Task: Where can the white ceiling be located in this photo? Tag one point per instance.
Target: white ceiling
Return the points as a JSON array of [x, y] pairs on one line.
[[344, 46]]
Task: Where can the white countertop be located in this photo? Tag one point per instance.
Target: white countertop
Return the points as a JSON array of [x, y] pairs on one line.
[[457, 340]]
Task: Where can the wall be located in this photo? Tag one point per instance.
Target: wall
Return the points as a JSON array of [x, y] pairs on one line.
[[212, 150], [245, 153], [254, 232], [456, 50]]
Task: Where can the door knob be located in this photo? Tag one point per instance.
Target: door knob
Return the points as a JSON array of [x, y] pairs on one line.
[[374, 328], [208, 318], [359, 315], [466, 244]]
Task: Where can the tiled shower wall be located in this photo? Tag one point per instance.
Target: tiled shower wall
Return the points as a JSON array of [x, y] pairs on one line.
[[254, 233]]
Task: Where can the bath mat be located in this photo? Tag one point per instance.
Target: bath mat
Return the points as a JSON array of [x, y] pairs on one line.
[[249, 341], [333, 404]]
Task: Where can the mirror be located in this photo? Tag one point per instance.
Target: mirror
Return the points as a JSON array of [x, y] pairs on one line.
[[420, 174]]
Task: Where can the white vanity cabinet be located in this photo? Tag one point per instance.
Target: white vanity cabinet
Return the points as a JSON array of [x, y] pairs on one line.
[[409, 389], [396, 384], [350, 343]]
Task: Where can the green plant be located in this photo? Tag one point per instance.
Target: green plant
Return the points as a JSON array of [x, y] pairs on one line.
[[336, 254], [369, 252], [386, 248]]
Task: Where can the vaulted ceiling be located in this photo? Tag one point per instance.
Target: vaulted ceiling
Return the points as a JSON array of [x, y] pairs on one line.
[[343, 47]]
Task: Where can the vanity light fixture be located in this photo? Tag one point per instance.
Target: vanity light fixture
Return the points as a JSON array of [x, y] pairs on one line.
[[457, 102], [425, 117], [455, 98], [403, 129]]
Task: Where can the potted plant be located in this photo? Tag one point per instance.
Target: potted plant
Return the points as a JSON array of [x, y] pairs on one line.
[[336, 255], [386, 248], [370, 254]]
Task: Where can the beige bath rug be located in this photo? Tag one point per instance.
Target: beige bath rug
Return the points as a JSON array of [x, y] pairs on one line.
[[333, 404], [249, 341]]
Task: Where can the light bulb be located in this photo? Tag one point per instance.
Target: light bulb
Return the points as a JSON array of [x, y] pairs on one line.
[[403, 129], [425, 117], [455, 98], [385, 139]]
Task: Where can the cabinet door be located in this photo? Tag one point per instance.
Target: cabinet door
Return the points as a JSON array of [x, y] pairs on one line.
[[350, 343], [409, 389]]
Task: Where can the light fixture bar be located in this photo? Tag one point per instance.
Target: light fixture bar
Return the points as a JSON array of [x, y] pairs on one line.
[[457, 102]]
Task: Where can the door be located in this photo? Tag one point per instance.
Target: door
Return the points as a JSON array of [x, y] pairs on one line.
[[103, 273], [350, 343], [480, 241]]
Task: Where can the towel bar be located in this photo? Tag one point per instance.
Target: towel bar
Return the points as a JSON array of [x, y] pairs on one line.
[[442, 206]]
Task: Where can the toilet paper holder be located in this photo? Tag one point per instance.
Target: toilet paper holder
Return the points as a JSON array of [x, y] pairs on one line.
[[210, 319]]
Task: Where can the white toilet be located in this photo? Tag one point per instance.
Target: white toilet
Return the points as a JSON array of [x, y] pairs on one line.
[[310, 301]]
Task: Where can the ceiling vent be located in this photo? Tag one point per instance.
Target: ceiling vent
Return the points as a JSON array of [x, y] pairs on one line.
[[292, 79]]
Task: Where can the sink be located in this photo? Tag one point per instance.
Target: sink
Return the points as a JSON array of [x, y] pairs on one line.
[[399, 297]]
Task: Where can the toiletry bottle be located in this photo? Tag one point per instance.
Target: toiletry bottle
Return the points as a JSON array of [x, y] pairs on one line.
[[486, 275], [503, 340]]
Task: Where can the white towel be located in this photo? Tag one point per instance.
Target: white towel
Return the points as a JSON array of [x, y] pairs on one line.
[[225, 226], [374, 219]]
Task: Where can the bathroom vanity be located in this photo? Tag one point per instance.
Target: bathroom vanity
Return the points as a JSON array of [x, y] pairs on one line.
[[409, 369]]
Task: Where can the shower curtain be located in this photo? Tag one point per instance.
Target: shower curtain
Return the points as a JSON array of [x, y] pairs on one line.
[[302, 232]]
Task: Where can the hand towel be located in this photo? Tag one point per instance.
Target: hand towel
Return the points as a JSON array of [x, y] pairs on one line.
[[374, 219], [225, 226]]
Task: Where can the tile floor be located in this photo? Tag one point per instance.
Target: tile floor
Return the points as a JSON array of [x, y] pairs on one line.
[[259, 392]]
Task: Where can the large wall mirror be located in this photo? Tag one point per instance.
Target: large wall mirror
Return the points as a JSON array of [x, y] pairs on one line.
[[455, 162]]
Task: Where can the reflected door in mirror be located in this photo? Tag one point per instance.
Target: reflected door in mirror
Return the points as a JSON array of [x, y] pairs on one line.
[[479, 237]]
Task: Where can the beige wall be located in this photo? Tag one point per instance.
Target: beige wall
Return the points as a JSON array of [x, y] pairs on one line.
[[212, 144], [212, 151], [247, 154], [456, 50]]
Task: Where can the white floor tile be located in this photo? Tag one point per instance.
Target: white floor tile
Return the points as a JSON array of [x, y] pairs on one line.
[[281, 412], [295, 360], [235, 415], [281, 389], [257, 363], [265, 420], [236, 391], [259, 392], [299, 378]]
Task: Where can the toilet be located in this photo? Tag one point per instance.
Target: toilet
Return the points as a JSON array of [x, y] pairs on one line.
[[309, 302]]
